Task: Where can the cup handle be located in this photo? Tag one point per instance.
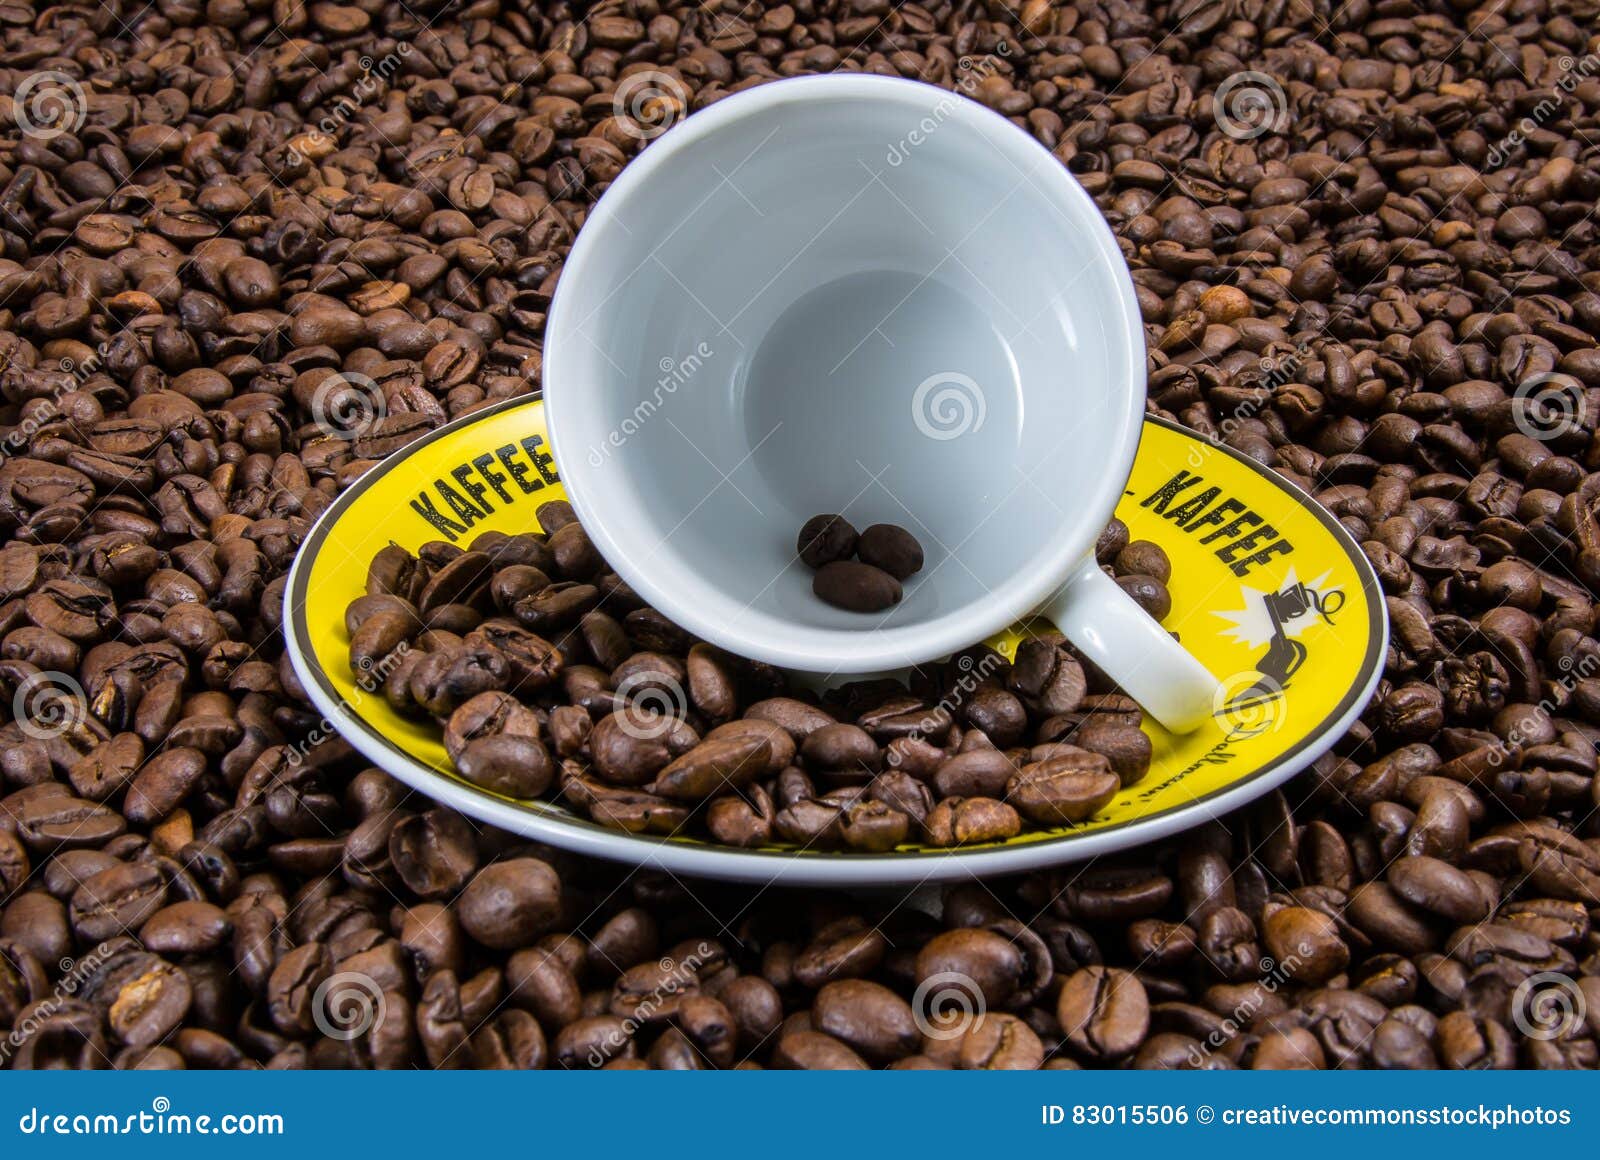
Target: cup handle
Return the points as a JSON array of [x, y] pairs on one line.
[[1131, 647]]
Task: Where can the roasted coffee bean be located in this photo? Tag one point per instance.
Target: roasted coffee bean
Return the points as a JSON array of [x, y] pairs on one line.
[[868, 1017], [960, 821], [824, 539], [117, 900], [507, 764], [1104, 1013], [433, 853], [187, 928], [856, 587], [979, 773], [891, 548], [510, 903], [1063, 789]]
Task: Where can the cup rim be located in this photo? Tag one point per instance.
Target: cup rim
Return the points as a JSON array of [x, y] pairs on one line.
[[706, 612]]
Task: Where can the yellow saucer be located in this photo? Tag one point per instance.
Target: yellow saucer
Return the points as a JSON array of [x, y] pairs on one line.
[[1268, 590]]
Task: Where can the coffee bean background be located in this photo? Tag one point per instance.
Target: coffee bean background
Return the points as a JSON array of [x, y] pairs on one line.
[[248, 249]]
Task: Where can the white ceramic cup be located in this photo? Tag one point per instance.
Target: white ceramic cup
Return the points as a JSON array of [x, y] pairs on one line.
[[870, 296]]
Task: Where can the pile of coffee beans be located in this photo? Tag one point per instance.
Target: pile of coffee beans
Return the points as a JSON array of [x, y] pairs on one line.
[[546, 672], [885, 555], [249, 249]]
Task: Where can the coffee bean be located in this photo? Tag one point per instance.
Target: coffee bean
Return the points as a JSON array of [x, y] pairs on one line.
[[985, 962], [186, 928], [1000, 1042], [1306, 944], [1144, 558], [1438, 887], [510, 903], [868, 1017], [1104, 1013], [1064, 789], [434, 853], [960, 821], [814, 1050], [824, 539], [117, 900], [891, 548], [856, 587]]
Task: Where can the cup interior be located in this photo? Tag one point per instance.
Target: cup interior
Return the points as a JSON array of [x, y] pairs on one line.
[[853, 295]]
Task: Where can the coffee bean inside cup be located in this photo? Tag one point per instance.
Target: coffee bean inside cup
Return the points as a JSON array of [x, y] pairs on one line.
[[886, 555], [824, 539], [891, 548], [855, 586]]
